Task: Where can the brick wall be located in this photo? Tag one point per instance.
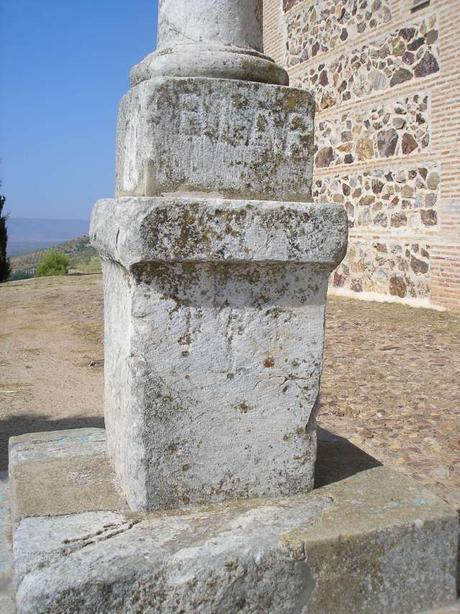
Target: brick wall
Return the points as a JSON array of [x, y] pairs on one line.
[[387, 89]]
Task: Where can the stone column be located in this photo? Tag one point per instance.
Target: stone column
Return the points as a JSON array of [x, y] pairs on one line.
[[229, 23], [220, 39], [215, 268]]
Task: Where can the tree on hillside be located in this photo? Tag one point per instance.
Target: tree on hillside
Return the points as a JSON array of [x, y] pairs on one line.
[[53, 263], [5, 268]]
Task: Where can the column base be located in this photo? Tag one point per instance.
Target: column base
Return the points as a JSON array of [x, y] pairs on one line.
[[210, 61]]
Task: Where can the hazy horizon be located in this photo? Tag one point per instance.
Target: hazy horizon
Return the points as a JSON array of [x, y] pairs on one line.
[[31, 234]]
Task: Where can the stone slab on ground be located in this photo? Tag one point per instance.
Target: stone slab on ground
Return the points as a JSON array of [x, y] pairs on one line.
[[375, 542], [60, 472]]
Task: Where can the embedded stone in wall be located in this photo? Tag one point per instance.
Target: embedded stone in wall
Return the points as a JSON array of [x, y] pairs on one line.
[[393, 128], [288, 4], [398, 199], [319, 27], [400, 56], [395, 268]]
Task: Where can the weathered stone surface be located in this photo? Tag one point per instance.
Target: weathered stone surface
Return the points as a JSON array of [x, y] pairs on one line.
[[324, 157], [206, 38], [433, 180], [386, 142], [365, 149], [392, 258], [448, 609], [221, 136], [398, 286], [398, 220], [237, 23], [375, 542], [411, 193], [214, 334], [400, 75], [6, 555], [409, 144], [135, 231], [418, 266], [288, 4], [429, 217], [427, 66], [60, 472], [214, 307]]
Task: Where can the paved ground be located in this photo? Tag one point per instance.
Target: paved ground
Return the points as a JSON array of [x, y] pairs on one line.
[[391, 381], [392, 386]]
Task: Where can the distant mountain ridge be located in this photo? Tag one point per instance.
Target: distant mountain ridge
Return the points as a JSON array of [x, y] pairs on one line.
[[28, 234]]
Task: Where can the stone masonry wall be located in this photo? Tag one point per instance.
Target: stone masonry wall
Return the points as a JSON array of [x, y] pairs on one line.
[[320, 27], [396, 128], [385, 81], [383, 198], [397, 57]]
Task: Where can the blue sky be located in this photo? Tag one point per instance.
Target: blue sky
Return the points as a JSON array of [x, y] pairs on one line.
[[64, 65]]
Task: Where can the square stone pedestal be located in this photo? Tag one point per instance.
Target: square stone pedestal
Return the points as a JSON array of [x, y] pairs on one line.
[[375, 542], [214, 333]]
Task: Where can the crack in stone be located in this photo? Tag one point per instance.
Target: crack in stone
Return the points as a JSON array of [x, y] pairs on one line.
[[104, 534], [167, 24]]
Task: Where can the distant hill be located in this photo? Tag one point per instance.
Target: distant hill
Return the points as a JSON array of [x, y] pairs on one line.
[[26, 235], [83, 258]]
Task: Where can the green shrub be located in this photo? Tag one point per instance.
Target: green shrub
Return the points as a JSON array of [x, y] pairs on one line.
[[53, 263]]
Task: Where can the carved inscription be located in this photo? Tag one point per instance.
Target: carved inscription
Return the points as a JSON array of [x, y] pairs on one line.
[[202, 135], [232, 121]]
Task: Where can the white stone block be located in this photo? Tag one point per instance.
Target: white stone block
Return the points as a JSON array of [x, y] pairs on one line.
[[214, 331], [374, 543]]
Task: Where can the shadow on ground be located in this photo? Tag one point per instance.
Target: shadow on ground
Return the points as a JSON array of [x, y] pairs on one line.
[[339, 459], [36, 423]]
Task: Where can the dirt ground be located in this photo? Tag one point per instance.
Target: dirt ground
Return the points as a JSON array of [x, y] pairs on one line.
[[390, 384]]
